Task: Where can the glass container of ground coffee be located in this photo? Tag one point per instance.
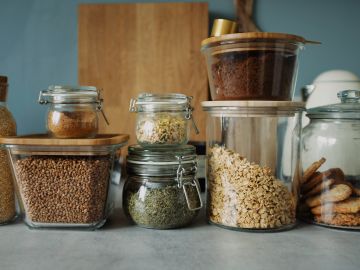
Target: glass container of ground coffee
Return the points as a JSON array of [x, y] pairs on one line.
[[247, 187], [330, 185], [73, 111], [162, 119], [252, 66], [161, 191]]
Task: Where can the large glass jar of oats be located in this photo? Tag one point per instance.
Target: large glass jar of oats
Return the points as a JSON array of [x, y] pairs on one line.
[[162, 119], [7, 128], [247, 187], [161, 191], [330, 186], [73, 111]]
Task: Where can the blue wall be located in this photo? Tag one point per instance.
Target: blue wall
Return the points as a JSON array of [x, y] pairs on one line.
[[38, 44]]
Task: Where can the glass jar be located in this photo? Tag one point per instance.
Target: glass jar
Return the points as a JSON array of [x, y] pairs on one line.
[[73, 111], [162, 119], [247, 188], [7, 128], [161, 191], [330, 186], [64, 183], [252, 66]]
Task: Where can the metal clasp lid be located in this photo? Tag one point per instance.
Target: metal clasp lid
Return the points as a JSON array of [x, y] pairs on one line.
[[132, 107], [58, 94], [189, 109], [100, 108], [179, 178], [180, 102]]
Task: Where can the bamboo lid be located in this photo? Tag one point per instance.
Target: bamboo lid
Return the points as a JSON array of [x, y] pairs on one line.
[[3, 79], [255, 36], [45, 140]]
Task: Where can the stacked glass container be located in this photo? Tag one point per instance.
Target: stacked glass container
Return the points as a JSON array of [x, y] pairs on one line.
[[252, 78], [161, 190], [64, 178]]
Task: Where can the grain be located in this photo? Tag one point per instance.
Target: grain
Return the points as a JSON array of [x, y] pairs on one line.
[[7, 196], [162, 128], [246, 195], [64, 189], [76, 124]]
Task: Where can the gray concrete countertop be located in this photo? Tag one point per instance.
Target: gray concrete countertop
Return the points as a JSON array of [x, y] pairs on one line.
[[119, 245]]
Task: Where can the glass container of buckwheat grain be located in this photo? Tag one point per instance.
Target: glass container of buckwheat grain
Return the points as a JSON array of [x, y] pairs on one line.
[[64, 183], [330, 184], [162, 119], [246, 186], [73, 111]]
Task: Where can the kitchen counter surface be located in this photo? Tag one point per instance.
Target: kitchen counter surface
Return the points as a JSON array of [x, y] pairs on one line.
[[119, 245]]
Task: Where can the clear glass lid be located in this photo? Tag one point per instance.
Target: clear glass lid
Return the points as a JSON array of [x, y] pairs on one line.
[[161, 161], [348, 108], [161, 155], [59, 94], [155, 102]]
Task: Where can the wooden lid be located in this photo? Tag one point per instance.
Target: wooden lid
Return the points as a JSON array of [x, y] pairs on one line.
[[3, 79], [45, 140], [252, 36], [3, 88]]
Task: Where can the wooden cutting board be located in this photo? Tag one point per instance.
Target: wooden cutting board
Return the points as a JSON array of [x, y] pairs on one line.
[[126, 49]]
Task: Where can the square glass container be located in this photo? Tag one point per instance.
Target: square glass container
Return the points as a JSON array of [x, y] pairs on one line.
[[64, 183]]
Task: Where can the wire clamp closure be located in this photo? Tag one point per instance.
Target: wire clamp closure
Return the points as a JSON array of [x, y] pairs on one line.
[[181, 184]]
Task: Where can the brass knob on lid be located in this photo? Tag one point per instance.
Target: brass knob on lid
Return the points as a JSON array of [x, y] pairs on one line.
[[223, 27]]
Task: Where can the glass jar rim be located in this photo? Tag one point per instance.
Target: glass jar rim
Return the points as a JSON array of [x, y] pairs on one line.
[[255, 37], [159, 180], [160, 102], [348, 108], [250, 108], [64, 94], [162, 161], [162, 155]]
